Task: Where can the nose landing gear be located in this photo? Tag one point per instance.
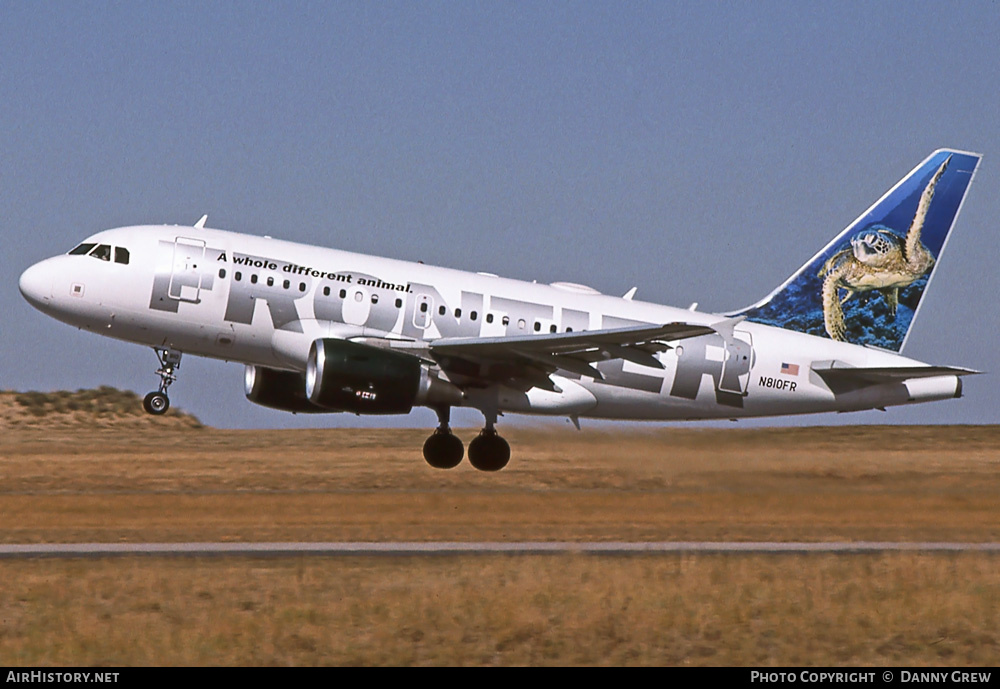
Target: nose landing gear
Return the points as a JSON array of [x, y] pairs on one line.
[[157, 402]]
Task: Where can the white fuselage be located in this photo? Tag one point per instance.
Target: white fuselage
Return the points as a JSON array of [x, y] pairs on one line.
[[263, 301]]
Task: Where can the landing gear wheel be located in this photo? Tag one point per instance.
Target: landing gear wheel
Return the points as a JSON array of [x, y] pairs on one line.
[[443, 450], [488, 451], [156, 403]]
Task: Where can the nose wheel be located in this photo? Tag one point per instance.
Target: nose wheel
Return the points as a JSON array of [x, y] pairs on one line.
[[157, 402]]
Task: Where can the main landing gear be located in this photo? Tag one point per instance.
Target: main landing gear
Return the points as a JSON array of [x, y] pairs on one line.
[[487, 452], [157, 402], [443, 450]]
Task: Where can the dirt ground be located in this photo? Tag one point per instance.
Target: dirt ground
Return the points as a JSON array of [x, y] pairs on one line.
[[69, 481], [811, 484]]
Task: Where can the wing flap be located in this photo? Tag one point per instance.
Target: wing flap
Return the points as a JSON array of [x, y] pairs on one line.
[[503, 357], [568, 343]]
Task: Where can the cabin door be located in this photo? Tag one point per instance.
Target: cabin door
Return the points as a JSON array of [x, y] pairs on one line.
[[185, 276]]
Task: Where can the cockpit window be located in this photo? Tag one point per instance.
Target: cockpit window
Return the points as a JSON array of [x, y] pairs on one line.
[[101, 251], [82, 249]]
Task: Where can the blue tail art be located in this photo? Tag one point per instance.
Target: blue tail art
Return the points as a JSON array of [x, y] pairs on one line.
[[865, 286]]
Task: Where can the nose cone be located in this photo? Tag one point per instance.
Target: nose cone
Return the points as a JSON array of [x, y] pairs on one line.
[[36, 285]]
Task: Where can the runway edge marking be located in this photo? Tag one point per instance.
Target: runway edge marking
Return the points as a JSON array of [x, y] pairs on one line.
[[414, 548]]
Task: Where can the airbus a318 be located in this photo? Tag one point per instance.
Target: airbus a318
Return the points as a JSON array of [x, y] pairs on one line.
[[323, 330]]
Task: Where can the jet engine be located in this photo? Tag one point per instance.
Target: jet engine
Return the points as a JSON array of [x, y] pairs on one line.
[[284, 390], [342, 375]]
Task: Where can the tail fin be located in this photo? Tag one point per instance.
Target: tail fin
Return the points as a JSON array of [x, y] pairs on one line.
[[865, 286]]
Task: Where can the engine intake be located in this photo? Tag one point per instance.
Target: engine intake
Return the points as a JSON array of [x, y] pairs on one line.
[[284, 390]]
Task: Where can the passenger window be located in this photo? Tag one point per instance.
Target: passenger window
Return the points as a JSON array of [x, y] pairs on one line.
[[121, 255], [286, 284], [489, 318], [326, 291], [222, 272], [270, 282], [399, 303], [472, 315], [442, 310], [253, 278], [343, 294], [81, 250], [302, 287], [103, 252], [458, 313]]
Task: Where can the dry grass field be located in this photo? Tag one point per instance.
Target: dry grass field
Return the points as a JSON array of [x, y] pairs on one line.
[[64, 478], [812, 610]]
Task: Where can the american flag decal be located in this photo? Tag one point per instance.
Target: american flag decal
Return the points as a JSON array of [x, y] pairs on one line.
[[790, 369]]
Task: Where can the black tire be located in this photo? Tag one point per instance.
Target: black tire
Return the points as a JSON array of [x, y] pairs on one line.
[[156, 403], [443, 450], [489, 452]]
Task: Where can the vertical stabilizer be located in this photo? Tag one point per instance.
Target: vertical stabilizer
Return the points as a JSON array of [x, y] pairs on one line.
[[865, 286]]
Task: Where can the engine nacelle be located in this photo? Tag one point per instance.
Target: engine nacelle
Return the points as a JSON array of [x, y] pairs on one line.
[[349, 376], [284, 390]]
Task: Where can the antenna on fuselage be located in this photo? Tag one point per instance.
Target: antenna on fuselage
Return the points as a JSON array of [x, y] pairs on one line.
[[200, 225]]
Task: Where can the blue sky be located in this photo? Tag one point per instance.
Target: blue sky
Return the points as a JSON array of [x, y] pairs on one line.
[[699, 151]]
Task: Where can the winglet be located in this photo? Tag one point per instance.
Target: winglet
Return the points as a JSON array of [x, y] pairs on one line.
[[726, 327], [628, 295], [200, 225]]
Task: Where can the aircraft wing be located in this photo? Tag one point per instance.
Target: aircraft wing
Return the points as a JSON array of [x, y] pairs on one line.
[[526, 361], [841, 377]]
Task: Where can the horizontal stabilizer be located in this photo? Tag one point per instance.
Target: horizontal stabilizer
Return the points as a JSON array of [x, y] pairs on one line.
[[840, 377]]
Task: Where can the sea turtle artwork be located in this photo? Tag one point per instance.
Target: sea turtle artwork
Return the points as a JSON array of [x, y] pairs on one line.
[[865, 286], [877, 259]]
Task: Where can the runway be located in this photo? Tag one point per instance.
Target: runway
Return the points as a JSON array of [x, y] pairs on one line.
[[446, 548]]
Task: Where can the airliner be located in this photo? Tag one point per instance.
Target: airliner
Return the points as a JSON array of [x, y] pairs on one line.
[[322, 330]]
